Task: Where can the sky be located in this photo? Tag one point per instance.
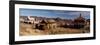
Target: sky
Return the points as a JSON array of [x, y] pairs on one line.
[[64, 14]]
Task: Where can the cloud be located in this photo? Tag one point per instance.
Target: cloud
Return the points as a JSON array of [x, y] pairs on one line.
[[54, 13]]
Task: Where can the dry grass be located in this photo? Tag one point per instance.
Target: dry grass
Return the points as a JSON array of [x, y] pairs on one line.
[[26, 29]]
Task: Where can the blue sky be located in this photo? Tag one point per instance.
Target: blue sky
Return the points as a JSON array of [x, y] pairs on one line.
[[64, 14]]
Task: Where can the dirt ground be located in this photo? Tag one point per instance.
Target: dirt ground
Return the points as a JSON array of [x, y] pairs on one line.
[[26, 30]]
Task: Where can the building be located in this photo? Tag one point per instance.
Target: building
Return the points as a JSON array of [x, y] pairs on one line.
[[51, 24], [79, 22], [46, 24]]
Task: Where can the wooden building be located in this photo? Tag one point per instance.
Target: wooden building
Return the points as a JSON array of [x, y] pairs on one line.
[[79, 22]]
